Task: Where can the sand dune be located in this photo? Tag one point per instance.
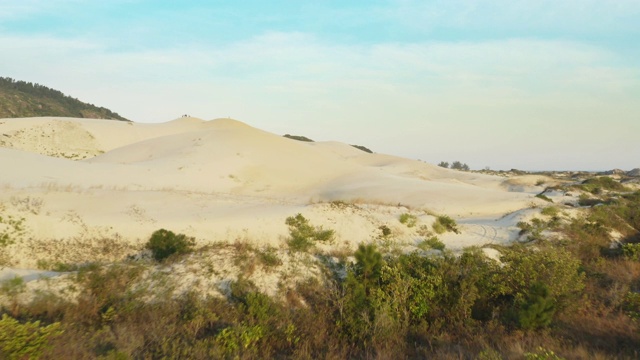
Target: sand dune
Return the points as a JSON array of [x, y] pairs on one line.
[[217, 180]]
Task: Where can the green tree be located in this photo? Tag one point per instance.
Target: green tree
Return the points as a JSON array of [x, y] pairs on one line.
[[368, 264], [164, 243], [538, 308]]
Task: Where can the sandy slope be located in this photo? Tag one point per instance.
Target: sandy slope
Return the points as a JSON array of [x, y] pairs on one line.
[[84, 180]]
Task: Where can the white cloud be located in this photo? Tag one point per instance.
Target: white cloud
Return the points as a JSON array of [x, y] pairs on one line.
[[573, 16], [18, 9], [433, 100]]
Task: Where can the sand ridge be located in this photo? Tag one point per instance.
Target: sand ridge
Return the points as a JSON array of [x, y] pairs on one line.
[[221, 180]]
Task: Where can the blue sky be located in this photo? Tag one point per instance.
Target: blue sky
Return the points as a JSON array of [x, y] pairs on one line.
[[504, 84]]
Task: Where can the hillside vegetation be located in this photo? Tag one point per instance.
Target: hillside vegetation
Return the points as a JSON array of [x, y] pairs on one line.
[[24, 99], [569, 289]]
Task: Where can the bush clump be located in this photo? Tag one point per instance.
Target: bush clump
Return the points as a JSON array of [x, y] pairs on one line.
[[598, 184], [363, 148], [303, 235], [164, 243], [298, 137], [409, 220], [544, 197], [445, 223], [431, 243], [631, 251], [550, 211], [25, 340], [385, 230]]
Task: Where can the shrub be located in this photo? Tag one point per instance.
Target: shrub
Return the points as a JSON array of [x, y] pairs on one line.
[[444, 223], [585, 200], [298, 137], [10, 229], [408, 219], [363, 148], [631, 305], [550, 211], [631, 251], [12, 288], [544, 197], [303, 235], [597, 184], [25, 341], [536, 227], [385, 230], [164, 243], [431, 243], [269, 258], [523, 267], [542, 354], [457, 165]]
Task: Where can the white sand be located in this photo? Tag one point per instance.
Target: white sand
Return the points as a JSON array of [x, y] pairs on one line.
[[81, 181]]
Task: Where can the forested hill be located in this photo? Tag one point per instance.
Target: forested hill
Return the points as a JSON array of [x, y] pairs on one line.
[[23, 99]]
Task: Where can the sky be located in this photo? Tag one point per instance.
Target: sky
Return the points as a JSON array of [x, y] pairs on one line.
[[526, 84]]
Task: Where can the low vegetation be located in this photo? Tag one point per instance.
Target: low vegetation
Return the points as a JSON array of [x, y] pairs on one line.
[[456, 165], [544, 197], [298, 137], [568, 293], [432, 243], [445, 223], [303, 236], [26, 340], [363, 148], [409, 220], [599, 184], [164, 243]]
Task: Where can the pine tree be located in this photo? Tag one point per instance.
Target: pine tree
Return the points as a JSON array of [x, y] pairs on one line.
[[538, 309]]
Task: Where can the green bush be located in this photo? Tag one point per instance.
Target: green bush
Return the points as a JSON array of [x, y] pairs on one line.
[[585, 200], [25, 341], [550, 211], [298, 137], [302, 235], [431, 243], [164, 243], [544, 197], [445, 223], [457, 165], [631, 305], [597, 184], [409, 220], [534, 229], [523, 267], [13, 287], [542, 354], [385, 230], [14, 228], [363, 148], [631, 251], [269, 258]]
